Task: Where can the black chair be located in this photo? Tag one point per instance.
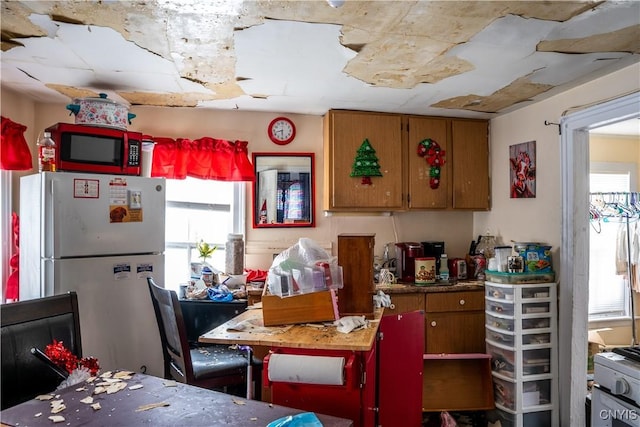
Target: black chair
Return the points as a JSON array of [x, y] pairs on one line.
[[215, 367], [35, 324]]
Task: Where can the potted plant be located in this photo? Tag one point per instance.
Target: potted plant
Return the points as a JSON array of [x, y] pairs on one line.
[[205, 251]]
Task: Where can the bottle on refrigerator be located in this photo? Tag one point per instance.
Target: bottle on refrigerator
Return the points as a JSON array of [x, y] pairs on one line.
[[46, 153]]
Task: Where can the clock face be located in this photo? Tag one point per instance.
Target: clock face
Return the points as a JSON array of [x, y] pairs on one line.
[[282, 130]]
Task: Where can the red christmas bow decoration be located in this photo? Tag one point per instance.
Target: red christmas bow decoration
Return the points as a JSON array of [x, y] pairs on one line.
[[61, 356]]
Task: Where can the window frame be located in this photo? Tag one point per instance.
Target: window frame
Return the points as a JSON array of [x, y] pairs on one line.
[[237, 211]]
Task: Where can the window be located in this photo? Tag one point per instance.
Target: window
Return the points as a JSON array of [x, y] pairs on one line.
[[608, 283], [199, 209]]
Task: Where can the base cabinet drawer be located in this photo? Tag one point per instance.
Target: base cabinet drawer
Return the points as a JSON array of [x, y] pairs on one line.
[[405, 303], [455, 301]]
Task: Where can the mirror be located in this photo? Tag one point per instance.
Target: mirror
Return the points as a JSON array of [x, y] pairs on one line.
[[284, 190]]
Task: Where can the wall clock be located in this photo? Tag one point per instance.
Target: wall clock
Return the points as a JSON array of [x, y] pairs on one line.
[[281, 130]]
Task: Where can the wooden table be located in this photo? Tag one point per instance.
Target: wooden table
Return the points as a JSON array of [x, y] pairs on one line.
[[291, 336], [187, 406]]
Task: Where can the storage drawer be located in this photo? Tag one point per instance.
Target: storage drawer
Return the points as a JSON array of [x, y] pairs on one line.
[[536, 292], [499, 323], [536, 362], [454, 301], [498, 292], [536, 307], [536, 323], [502, 361], [503, 338], [534, 393], [535, 339], [507, 419], [504, 308]]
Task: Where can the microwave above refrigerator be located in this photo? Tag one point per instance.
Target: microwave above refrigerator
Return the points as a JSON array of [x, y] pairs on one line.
[[96, 149]]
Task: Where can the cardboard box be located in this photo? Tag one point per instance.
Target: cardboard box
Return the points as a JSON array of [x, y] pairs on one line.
[[596, 345], [302, 308]]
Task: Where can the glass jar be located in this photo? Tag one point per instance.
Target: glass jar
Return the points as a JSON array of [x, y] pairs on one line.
[[234, 254], [486, 245]]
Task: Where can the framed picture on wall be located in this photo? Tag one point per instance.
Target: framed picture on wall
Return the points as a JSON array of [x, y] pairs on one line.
[[522, 170]]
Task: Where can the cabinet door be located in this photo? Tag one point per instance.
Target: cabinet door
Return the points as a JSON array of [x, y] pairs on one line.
[[345, 131], [455, 332], [470, 164], [455, 322], [421, 195], [355, 256]]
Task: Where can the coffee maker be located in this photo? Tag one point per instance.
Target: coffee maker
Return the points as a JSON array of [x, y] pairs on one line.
[[434, 249], [406, 254]]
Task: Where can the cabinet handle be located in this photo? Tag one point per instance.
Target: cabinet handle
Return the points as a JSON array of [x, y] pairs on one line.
[[433, 323], [461, 302]]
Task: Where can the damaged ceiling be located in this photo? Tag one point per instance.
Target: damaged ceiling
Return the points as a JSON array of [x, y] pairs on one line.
[[447, 58]]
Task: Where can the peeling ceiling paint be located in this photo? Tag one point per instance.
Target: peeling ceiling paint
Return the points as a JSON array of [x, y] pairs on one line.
[[463, 58]]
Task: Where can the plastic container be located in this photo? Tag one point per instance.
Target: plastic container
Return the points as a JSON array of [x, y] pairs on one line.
[[519, 278], [537, 258], [504, 308], [147, 158], [535, 393], [444, 267], [499, 292], [500, 337], [207, 276], [46, 153], [502, 255], [503, 360]]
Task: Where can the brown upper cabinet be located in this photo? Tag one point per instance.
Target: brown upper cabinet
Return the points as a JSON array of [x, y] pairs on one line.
[[404, 184], [345, 132]]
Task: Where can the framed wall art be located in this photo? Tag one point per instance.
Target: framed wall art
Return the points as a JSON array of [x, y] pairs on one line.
[[522, 170]]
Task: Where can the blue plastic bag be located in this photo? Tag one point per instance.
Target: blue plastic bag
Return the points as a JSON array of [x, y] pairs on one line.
[[306, 419], [220, 293]]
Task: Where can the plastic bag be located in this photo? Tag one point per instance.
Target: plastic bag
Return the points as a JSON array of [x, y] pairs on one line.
[[304, 267], [220, 293], [306, 419], [446, 420]]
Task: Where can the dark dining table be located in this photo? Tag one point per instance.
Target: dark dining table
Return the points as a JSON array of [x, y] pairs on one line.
[[152, 401]]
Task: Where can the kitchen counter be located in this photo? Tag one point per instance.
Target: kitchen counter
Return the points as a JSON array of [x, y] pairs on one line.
[[410, 288], [248, 329]]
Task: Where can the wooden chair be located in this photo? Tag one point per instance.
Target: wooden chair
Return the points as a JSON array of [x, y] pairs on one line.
[[215, 367], [35, 323]]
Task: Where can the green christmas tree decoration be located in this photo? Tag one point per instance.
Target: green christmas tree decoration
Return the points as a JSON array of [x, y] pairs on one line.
[[365, 164]]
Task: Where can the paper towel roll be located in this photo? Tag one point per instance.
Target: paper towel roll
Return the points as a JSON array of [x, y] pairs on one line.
[[294, 368]]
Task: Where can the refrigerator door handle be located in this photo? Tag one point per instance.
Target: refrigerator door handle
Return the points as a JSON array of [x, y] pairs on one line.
[[49, 219]]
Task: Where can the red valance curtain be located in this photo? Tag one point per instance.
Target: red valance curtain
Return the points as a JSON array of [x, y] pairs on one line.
[[204, 158], [14, 151]]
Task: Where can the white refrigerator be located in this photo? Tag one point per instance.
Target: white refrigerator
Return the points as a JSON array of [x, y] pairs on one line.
[[101, 236]]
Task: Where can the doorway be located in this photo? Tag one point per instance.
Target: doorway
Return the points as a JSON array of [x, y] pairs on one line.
[[574, 253], [613, 218]]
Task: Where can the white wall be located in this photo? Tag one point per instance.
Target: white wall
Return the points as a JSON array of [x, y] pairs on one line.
[[539, 218]]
